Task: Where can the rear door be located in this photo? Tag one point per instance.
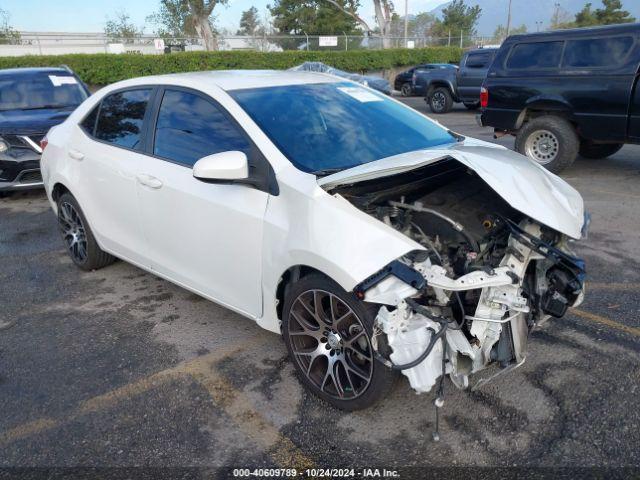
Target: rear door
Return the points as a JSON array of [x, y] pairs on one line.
[[472, 73], [204, 236], [106, 151]]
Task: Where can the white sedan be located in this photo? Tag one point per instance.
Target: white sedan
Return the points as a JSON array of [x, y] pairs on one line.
[[372, 238]]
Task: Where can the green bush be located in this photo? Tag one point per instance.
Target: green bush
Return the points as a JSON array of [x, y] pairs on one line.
[[102, 68]]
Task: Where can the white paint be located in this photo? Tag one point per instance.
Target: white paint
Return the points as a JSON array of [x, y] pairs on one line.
[[58, 80], [232, 243]]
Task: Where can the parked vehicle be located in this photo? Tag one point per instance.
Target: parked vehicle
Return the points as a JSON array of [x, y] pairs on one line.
[[32, 100], [373, 239], [566, 93], [404, 80], [376, 83], [443, 87]]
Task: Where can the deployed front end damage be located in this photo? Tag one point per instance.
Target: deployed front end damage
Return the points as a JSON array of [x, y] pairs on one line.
[[487, 275]]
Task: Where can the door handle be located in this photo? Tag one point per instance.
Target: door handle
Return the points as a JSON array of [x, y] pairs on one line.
[[76, 155], [149, 181]]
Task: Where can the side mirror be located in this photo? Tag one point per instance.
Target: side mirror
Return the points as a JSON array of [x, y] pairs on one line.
[[231, 165]]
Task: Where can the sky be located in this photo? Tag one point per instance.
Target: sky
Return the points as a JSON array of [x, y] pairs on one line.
[[91, 15]]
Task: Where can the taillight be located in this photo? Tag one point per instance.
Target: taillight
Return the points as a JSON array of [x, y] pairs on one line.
[[484, 97], [43, 143]]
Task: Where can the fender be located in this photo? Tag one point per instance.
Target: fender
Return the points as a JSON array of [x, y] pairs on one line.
[[547, 103]]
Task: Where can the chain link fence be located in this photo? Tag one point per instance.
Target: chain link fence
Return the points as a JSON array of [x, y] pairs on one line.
[[52, 43]]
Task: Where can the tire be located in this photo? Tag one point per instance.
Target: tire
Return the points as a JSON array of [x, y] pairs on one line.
[[78, 237], [550, 141], [595, 150], [406, 90], [472, 106], [440, 100], [316, 340]]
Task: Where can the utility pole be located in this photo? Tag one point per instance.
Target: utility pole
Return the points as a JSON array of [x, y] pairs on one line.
[[406, 21], [509, 19]]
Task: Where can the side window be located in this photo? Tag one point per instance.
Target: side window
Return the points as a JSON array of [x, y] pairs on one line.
[[478, 60], [121, 116], [89, 122], [596, 52], [190, 127], [535, 55]]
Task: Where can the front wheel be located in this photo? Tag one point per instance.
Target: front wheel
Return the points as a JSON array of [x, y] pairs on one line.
[[550, 141], [440, 100], [406, 90], [328, 332], [78, 237], [595, 150]]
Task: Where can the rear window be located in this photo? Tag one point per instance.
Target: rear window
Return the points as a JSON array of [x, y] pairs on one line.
[[479, 60], [121, 116], [597, 52], [535, 55]]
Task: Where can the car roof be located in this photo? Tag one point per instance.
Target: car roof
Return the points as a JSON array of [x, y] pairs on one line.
[[576, 32], [236, 79], [33, 70]]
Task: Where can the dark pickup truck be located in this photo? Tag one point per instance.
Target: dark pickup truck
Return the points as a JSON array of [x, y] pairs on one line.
[[442, 87], [566, 93]]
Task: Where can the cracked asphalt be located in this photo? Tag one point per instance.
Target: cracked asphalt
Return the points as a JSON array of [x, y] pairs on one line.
[[118, 368]]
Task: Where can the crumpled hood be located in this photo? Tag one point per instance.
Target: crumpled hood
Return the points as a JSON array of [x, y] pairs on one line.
[[522, 183]]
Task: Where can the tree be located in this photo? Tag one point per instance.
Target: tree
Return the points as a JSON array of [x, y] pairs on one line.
[[200, 12], [612, 13], [312, 17], [7, 33], [121, 29], [185, 18], [418, 25], [173, 21], [457, 18], [384, 17], [500, 32], [250, 23], [560, 19]]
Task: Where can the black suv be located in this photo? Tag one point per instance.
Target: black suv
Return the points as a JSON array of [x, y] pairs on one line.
[[32, 100], [566, 93], [441, 87]]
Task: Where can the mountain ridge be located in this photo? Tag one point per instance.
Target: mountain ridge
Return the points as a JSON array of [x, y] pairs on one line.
[[528, 12]]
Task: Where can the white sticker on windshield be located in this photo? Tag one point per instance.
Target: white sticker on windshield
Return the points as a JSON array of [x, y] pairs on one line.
[[59, 81], [360, 94]]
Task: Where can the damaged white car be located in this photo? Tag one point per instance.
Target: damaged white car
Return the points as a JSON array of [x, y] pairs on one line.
[[372, 238]]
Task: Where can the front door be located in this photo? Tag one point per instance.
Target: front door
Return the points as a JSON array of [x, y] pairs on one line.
[[471, 75], [205, 236]]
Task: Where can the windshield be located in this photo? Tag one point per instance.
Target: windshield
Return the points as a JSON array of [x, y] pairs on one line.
[[329, 127], [42, 90]]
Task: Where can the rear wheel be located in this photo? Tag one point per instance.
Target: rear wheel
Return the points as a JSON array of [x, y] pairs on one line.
[[78, 238], [550, 141], [440, 100], [595, 150], [328, 335], [406, 90]]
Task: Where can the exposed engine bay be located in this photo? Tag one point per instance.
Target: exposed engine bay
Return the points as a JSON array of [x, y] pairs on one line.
[[486, 277]]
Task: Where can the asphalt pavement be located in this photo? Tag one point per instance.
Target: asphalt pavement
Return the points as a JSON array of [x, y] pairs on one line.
[[118, 368]]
